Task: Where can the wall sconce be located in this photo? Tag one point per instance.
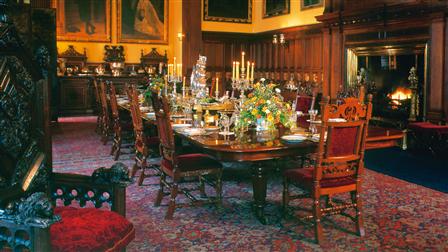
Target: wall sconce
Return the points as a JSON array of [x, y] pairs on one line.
[[280, 40], [180, 36]]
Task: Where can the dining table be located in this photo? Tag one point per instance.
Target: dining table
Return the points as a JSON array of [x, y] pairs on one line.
[[256, 151]]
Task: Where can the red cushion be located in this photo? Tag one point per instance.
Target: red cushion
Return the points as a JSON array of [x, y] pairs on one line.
[[303, 103], [304, 177], [343, 141], [90, 229], [302, 121], [192, 162], [427, 126]]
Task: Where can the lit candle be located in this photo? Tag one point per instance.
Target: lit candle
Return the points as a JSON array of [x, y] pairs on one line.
[[183, 87], [248, 70], [160, 67], [233, 70], [174, 66], [217, 87], [252, 72], [169, 69], [242, 60], [179, 69], [237, 74]]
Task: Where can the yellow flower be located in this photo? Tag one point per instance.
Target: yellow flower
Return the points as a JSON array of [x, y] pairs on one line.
[[270, 118], [254, 112]]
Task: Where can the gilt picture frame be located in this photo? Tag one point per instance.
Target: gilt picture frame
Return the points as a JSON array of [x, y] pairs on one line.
[[233, 11], [309, 4], [142, 21], [83, 20], [273, 8]]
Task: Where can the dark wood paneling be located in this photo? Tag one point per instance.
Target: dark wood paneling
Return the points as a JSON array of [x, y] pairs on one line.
[[76, 96], [301, 57]]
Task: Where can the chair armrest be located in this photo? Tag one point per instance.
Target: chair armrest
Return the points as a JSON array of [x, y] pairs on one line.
[[104, 186]]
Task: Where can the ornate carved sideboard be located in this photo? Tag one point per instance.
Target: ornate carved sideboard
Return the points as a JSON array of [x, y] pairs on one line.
[[77, 92]]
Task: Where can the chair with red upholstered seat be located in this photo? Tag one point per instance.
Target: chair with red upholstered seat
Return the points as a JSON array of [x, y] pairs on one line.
[[338, 165], [145, 146], [178, 167], [28, 185], [118, 125]]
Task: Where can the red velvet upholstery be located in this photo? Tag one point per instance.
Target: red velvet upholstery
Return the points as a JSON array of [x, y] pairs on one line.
[[304, 177], [343, 141], [430, 127], [126, 125], [191, 162], [303, 103], [301, 121], [90, 229]]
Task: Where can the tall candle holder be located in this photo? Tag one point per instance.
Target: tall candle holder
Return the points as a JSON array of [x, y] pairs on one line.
[[242, 81], [174, 79]]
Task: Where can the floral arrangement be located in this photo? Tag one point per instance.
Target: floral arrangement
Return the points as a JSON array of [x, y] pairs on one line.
[[156, 84], [264, 104]]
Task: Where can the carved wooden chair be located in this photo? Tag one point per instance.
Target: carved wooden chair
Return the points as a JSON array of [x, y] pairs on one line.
[[28, 219], [119, 126], [178, 167], [145, 145], [305, 101], [338, 166], [99, 108], [106, 115]]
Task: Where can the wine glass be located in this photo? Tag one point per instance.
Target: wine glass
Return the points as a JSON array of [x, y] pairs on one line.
[[313, 114], [225, 123]]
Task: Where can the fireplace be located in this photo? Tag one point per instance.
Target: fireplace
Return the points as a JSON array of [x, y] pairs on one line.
[[386, 73]]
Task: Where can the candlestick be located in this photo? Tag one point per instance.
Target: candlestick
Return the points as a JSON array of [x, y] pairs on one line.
[[248, 70], [217, 88], [233, 70], [183, 87], [242, 60], [160, 67], [252, 72], [174, 66], [237, 70], [179, 69]]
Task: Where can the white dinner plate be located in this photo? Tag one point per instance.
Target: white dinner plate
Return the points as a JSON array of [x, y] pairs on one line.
[[294, 138], [181, 125]]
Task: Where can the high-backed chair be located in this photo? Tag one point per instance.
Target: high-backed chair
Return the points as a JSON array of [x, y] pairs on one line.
[[177, 167], [145, 145], [106, 120], [305, 101], [29, 220], [118, 125], [99, 108], [338, 166]]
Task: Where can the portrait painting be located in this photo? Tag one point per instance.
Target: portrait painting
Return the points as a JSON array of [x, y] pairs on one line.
[[143, 21], [272, 8], [306, 4], [235, 11], [83, 20]]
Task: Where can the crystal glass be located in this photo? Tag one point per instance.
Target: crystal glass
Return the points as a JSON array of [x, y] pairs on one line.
[[224, 123], [313, 114]]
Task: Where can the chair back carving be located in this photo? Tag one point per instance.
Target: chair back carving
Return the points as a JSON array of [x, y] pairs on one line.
[[104, 104], [97, 97], [113, 101], [341, 146], [166, 134], [137, 121]]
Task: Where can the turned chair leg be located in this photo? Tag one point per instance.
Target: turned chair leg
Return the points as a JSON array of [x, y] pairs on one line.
[[219, 190], [172, 204], [202, 186], [356, 198], [318, 221], [135, 167], [285, 196], [160, 193]]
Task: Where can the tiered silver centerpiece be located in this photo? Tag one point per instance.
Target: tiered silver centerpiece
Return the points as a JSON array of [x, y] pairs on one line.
[[198, 79]]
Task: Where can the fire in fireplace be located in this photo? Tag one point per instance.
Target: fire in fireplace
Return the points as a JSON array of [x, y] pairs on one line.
[[399, 95]]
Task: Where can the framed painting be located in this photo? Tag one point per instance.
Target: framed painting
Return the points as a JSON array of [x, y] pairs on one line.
[[143, 21], [83, 20], [272, 8], [234, 11], [307, 4]]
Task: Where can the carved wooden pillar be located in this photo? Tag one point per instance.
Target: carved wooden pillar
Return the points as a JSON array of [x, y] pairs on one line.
[[436, 68], [191, 25]]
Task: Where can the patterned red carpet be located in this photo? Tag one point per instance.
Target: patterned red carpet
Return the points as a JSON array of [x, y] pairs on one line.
[[399, 216]]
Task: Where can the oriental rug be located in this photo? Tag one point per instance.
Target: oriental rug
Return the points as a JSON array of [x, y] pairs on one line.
[[398, 215]]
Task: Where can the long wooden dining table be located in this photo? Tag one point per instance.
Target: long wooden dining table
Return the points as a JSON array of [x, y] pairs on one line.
[[255, 152]]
